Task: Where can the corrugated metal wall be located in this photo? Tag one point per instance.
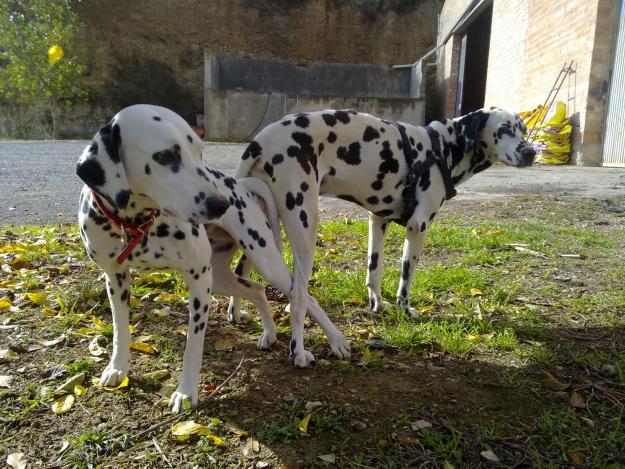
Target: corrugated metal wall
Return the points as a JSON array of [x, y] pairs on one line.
[[614, 140]]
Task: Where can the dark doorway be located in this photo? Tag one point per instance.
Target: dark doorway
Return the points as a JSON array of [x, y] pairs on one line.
[[473, 64]]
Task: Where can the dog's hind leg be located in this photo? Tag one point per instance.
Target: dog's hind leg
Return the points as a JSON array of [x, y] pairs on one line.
[[118, 290], [243, 270], [377, 235], [227, 283]]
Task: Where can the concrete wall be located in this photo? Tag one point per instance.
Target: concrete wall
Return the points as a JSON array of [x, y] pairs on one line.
[[337, 79], [530, 42], [237, 115], [241, 96]]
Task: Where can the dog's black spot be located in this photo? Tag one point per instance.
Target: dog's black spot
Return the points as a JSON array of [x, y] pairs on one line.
[[194, 231], [156, 118], [121, 198], [179, 235], [305, 153], [197, 317], [331, 137], [332, 171], [320, 149], [277, 159], [196, 303], [189, 138], [230, 182], [125, 295], [241, 218], [162, 230], [423, 227], [405, 270], [404, 293], [268, 168], [342, 116], [373, 200], [349, 198], [253, 150], [384, 213], [370, 134], [389, 164], [285, 123], [293, 345], [329, 119], [261, 242], [91, 172], [169, 157], [302, 121], [387, 199], [304, 186], [304, 217], [432, 215], [377, 185], [373, 264], [350, 155], [290, 201], [111, 137]]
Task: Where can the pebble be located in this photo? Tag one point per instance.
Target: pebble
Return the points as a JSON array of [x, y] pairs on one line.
[[359, 426], [312, 405], [289, 397], [609, 370]]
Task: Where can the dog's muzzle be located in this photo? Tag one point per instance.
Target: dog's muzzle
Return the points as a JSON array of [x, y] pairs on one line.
[[216, 207], [527, 156]]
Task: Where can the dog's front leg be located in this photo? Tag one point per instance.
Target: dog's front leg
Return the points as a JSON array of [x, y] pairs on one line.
[[199, 281], [118, 290], [413, 245], [377, 235]]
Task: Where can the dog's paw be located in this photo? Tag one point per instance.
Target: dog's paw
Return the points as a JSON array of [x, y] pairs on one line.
[[113, 375], [179, 400], [304, 360], [240, 317], [379, 306], [340, 347], [266, 340]]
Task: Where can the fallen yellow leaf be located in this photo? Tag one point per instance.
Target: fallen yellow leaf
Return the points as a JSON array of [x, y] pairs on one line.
[[476, 292], [303, 424], [4, 304], [143, 348], [181, 331], [577, 400], [553, 383], [39, 298], [353, 302], [63, 404], [225, 344], [79, 390], [426, 309], [97, 383]]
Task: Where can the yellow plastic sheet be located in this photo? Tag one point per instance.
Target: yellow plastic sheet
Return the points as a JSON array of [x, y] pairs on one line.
[[553, 138]]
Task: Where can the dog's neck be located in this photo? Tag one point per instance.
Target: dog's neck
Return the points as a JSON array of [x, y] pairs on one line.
[[137, 211], [451, 143]]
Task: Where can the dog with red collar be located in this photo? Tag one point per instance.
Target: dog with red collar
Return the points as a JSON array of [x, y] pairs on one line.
[[150, 203]]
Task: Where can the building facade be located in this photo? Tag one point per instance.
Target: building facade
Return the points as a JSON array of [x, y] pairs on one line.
[[508, 53]]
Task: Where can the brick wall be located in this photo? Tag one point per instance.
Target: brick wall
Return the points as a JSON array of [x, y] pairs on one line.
[[506, 58], [530, 42]]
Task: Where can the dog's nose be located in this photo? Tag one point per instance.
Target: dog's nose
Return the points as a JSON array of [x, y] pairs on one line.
[[216, 206], [527, 155]]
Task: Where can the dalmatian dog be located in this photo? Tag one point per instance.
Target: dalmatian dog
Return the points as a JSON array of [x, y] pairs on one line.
[[398, 172], [150, 203]]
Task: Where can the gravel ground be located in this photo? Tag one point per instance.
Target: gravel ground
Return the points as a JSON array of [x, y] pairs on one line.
[[38, 184]]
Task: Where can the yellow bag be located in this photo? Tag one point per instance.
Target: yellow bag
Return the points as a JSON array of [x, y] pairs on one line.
[[553, 139]]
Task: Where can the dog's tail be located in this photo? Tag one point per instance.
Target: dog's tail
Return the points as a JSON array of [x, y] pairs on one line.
[[262, 190]]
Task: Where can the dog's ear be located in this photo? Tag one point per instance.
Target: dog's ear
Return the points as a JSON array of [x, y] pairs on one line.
[[473, 123], [100, 167]]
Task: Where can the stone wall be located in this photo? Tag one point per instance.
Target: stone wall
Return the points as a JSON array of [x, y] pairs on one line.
[[153, 50]]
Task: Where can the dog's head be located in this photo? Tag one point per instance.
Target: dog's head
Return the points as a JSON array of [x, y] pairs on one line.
[[148, 158], [499, 134]]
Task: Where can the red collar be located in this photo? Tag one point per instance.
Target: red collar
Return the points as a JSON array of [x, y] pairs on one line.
[[135, 232]]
